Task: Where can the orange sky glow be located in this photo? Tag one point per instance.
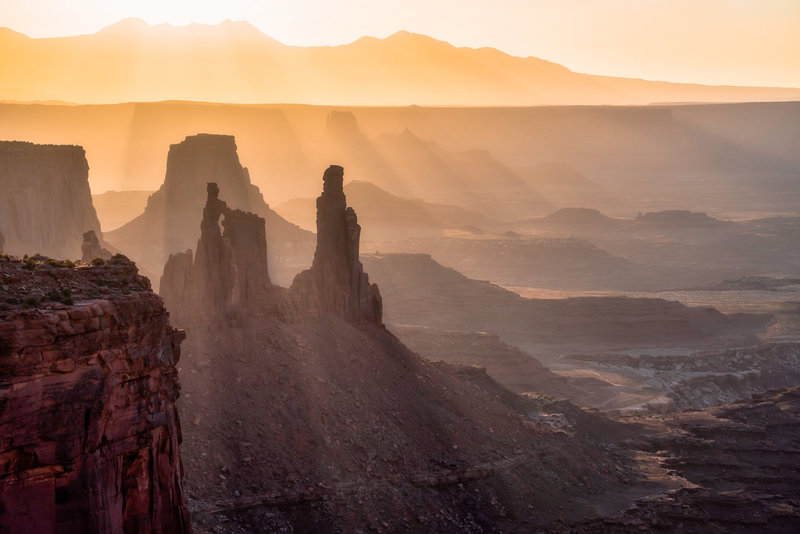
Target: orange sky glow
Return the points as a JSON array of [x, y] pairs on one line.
[[742, 42]]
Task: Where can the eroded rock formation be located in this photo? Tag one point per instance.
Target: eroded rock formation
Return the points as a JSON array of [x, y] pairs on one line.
[[91, 248], [336, 282], [89, 431], [45, 201], [229, 271], [169, 222]]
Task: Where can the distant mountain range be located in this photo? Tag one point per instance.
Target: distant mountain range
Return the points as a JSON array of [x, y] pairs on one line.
[[234, 62]]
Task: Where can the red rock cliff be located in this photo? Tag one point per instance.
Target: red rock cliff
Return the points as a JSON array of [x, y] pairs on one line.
[[89, 432]]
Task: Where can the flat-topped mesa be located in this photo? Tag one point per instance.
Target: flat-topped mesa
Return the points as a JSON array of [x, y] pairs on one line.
[[45, 200], [229, 270], [336, 282], [89, 430], [210, 156]]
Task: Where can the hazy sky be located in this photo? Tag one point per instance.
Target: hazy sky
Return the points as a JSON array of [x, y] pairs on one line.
[[746, 42]]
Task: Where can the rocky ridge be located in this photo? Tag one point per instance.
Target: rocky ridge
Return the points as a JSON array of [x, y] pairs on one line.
[[88, 385], [740, 461], [306, 414]]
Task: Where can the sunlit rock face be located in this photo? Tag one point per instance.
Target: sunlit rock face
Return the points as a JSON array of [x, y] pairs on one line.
[[228, 273], [45, 201], [89, 430]]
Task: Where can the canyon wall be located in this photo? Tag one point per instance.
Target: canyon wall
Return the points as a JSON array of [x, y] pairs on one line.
[[45, 201], [89, 431]]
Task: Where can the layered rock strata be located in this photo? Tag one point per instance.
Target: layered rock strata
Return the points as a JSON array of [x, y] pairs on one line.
[[89, 432], [741, 464], [229, 272], [45, 201]]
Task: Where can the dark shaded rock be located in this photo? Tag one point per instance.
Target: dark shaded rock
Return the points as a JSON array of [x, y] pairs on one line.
[[229, 271], [91, 248], [741, 460], [88, 385], [45, 201], [336, 280]]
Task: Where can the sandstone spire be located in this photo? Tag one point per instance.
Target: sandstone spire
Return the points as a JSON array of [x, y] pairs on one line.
[[337, 276], [229, 269]]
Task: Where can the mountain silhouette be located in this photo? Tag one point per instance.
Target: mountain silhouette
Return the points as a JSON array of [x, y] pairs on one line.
[[234, 62]]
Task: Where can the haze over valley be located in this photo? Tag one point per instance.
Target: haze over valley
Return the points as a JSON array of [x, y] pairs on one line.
[[392, 285]]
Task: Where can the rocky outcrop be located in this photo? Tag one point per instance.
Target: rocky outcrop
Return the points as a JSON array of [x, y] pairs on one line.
[[229, 272], [169, 222], [336, 282], [91, 248], [45, 201], [89, 432]]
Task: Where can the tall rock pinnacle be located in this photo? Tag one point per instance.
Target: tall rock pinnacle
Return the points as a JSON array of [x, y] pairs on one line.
[[340, 283], [229, 270]]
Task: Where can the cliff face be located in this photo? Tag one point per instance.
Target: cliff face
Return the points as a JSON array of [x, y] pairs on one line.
[[170, 220], [88, 384], [229, 271], [45, 201]]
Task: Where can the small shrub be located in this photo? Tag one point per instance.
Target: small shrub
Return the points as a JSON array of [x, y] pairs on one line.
[[32, 302], [98, 261], [59, 263]]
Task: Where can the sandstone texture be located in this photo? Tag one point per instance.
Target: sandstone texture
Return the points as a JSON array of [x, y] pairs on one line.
[[45, 201], [171, 219], [89, 431]]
